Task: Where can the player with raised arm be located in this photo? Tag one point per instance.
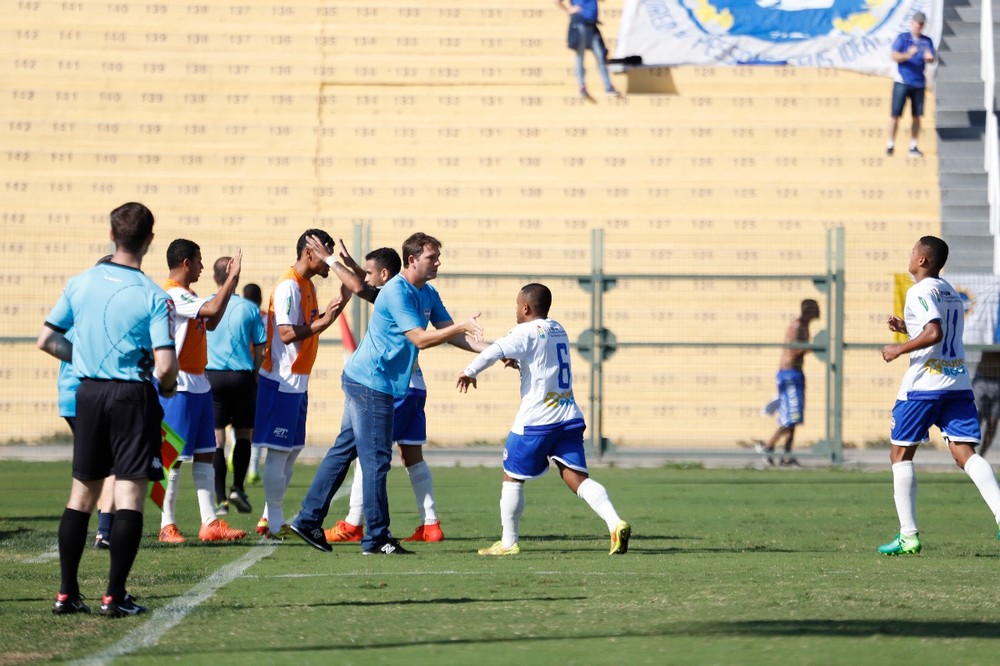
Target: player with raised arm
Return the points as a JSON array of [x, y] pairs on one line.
[[190, 413], [549, 425], [935, 390], [294, 323]]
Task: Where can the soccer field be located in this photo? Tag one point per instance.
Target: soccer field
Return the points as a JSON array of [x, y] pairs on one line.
[[725, 567]]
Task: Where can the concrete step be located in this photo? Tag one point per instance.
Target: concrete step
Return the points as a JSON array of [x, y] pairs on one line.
[[959, 91], [964, 30], [965, 196], [965, 74], [962, 164], [964, 214], [969, 254], [952, 59], [957, 119], [961, 181]]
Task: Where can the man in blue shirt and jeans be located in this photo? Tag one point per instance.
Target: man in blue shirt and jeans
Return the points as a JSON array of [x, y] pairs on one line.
[[376, 374], [911, 51]]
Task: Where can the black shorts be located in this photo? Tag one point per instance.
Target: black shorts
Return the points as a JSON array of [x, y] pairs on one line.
[[234, 396], [117, 428]]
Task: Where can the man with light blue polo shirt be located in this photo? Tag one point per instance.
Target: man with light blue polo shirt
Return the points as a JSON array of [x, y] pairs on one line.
[[376, 374], [935, 390], [235, 353], [912, 52], [66, 385], [123, 340]]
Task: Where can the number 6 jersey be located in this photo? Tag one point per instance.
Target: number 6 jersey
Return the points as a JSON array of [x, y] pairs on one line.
[[541, 348]]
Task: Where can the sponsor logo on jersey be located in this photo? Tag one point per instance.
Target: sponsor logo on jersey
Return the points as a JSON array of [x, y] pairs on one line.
[[950, 367], [281, 432]]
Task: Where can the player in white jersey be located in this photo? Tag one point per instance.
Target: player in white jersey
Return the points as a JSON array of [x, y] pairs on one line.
[[936, 390], [548, 426]]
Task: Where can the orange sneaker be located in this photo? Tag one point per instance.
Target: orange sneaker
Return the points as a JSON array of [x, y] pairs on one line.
[[262, 527], [344, 531], [219, 530], [428, 533], [170, 534]]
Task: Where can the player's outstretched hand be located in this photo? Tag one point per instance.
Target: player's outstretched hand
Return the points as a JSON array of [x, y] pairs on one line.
[[473, 329], [465, 382]]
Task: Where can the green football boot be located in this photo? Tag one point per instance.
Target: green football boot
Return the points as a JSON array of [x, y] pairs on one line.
[[902, 545]]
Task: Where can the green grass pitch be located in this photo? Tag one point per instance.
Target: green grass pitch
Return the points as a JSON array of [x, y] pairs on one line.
[[725, 567]]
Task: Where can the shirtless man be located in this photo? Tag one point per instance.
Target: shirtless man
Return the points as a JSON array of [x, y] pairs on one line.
[[791, 387]]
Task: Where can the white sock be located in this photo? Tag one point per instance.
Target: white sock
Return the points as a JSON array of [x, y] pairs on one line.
[[204, 485], [255, 452], [913, 144], [170, 497], [293, 455], [423, 491], [982, 475], [904, 485], [511, 508], [890, 144], [274, 488], [596, 496], [356, 510]]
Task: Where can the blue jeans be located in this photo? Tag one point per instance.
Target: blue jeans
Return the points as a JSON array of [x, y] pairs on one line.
[[590, 39], [365, 434]]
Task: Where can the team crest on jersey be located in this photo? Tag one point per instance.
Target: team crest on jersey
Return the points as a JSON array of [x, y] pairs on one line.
[[427, 314], [541, 332]]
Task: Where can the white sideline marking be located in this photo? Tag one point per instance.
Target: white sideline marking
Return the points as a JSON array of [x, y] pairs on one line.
[[574, 572], [47, 556], [163, 620]]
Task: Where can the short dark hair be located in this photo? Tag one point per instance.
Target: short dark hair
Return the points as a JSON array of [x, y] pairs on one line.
[[323, 237], [538, 297], [179, 250], [809, 306], [936, 251], [131, 226], [387, 258], [251, 292], [221, 270], [414, 246]]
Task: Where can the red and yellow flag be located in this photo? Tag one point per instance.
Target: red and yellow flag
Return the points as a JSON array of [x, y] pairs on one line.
[[170, 449]]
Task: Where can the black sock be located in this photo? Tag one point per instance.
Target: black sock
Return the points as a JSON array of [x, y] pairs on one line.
[[219, 463], [126, 533], [72, 540], [241, 462]]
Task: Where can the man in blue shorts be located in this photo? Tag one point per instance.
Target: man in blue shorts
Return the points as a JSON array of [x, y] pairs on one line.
[[549, 425], [376, 375], [294, 324], [409, 422], [122, 342], [791, 383], [235, 352], [935, 390], [190, 413], [912, 51]]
